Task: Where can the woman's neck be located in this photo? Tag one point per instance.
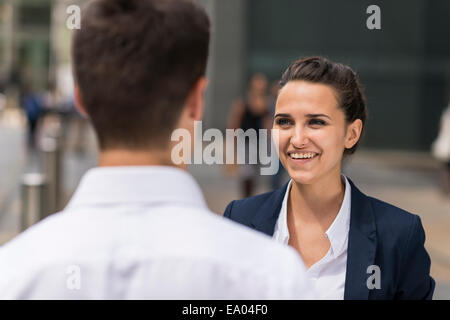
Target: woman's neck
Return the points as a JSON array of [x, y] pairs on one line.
[[318, 202]]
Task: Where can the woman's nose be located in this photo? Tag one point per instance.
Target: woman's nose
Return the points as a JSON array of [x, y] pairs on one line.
[[299, 137]]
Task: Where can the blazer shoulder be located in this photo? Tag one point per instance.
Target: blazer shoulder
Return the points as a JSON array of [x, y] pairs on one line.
[[383, 214], [385, 210], [244, 210], [393, 220], [401, 239]]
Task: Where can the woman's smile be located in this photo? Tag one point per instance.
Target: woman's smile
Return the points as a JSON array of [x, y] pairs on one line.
[[302, 157]]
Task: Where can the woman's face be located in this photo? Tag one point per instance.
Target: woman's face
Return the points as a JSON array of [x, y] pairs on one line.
[[312, 131]]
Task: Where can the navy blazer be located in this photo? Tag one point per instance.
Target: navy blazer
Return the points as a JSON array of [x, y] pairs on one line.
[[380, 234]]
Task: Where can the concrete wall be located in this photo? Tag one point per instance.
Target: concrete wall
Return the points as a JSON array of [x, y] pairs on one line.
[[226, 69]]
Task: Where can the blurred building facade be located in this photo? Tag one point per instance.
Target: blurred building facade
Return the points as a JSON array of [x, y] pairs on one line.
[[34, 42], [402, 66]]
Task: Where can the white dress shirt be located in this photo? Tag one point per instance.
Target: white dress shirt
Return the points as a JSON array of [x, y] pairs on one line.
[[146, 232], [327, 274]]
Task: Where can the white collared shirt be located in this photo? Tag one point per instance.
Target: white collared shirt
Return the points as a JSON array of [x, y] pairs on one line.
[[145, 232], [327, 274]]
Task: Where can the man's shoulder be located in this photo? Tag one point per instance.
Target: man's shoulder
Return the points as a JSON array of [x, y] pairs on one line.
[[222, 249], [236, 251], [237, 240], [40, 230], [36, 245], [157, 234]]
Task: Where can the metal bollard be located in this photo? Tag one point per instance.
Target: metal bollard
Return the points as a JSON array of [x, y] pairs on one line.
[[51, 161], [34, 196]]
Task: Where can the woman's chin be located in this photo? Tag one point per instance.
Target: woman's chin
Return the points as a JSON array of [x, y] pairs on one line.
[[302, 177]]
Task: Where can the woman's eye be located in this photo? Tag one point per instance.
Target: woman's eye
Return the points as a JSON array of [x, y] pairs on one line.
[[317, 122], [283, 122]]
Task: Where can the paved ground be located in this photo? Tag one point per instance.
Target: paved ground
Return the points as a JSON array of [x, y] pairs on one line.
[[407, 180]]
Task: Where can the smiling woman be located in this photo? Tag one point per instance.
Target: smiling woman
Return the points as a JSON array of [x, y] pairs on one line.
[[314, 132], [340, 233]]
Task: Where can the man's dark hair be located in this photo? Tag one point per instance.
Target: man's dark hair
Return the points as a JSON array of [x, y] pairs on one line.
[[135, 62], [341, 78]]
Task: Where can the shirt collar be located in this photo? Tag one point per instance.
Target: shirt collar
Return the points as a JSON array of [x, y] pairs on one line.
[[137, 185], [281, 233], [337, 233]]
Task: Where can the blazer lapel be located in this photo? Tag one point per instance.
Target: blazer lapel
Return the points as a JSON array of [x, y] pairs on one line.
[[361, 246], [268, 214], [361, 243]]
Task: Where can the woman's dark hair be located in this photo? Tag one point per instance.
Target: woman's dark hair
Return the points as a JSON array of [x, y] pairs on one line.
[[341, 78]]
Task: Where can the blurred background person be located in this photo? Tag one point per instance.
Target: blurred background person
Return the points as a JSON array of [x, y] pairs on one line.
[[250, 112], [441, 149], [2, 100], [31, 102]]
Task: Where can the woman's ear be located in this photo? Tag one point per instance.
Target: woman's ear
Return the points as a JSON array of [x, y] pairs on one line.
[[79, 102], [353, 133]]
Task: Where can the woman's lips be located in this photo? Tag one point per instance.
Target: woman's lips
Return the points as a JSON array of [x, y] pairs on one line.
[[294, 157]]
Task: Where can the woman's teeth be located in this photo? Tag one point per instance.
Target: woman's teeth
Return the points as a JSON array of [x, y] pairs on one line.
[[302, 155]]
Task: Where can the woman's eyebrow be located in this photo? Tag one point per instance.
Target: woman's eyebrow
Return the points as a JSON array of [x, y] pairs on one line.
[[314, 115], [282, 115], [309, 115]]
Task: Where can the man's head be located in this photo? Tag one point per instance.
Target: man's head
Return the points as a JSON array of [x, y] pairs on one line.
[[138, 66]]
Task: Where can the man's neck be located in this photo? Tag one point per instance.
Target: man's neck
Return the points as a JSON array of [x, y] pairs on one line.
[[123, 157]]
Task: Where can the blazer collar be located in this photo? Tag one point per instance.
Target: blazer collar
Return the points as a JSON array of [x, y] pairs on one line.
[[268, 214], [361, 242]]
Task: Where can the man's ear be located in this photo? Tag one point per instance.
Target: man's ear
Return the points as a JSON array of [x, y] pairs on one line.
[[79, 101], [195, 101], [353, 133]]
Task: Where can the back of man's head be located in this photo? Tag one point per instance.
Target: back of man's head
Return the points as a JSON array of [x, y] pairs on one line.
[[135, 62]]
